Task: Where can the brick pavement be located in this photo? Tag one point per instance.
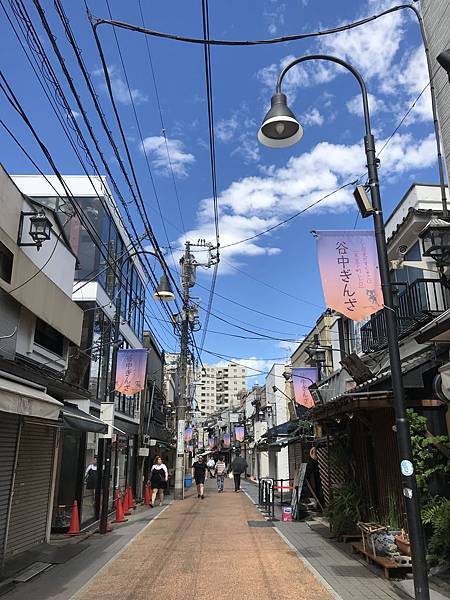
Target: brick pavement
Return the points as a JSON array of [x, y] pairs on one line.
[[205, 549], [349, 578]]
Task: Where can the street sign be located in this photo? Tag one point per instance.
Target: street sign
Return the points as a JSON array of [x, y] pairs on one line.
[[234, 418], [180, 437]]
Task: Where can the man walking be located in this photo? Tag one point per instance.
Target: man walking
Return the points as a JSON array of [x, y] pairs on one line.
[[200, 473], [238, 466], [221, 467]]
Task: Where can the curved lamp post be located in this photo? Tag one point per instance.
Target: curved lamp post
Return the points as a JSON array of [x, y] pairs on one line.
[[281, 129], [162, 293]]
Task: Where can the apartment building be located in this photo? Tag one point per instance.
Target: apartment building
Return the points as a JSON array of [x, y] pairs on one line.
[[220, 387]]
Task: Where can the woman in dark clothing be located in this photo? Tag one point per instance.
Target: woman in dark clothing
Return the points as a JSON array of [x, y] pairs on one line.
[[199, 472], [158, 479]]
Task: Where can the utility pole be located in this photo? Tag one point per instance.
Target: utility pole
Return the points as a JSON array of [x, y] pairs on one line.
[[189, 321], [186, 282], [107, 442]]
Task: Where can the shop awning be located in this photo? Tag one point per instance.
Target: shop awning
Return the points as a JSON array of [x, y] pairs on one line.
[[19, 397], [279, 430], [74, 418]]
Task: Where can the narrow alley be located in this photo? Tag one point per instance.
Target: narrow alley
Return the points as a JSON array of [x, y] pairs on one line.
[[207, 548]]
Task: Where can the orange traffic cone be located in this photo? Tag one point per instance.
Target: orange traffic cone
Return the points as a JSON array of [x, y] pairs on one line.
[[126, 506], [146, 494], [119, 510], [131, 502], [74, 528]]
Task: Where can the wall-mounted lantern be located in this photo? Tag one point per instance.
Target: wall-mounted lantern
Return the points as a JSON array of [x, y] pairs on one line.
[[39, 231]]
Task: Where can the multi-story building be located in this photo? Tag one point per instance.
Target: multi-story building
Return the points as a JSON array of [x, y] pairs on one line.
[[107, 269], [220, 386], [39, 322], [436, 20]]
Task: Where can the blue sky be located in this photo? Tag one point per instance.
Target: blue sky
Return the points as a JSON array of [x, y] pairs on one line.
[[277, 273]]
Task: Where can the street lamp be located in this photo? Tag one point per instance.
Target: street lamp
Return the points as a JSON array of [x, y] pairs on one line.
[[162, 293], [436, 241], [281, 129], [444, 60], [40, 229]]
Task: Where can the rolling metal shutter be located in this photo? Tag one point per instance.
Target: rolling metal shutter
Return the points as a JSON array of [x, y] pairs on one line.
[[9, 427], [32, 486]]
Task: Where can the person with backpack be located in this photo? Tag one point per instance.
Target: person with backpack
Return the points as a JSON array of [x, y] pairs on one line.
[[221, 469], [237, 467], [159, 476]]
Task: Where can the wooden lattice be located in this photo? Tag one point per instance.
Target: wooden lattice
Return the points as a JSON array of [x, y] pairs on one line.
[[331, 476]]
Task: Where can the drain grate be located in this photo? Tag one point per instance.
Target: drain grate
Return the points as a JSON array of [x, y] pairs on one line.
[[260, 524]]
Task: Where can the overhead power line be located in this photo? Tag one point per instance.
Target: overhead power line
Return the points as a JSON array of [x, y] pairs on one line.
[[276, 40]]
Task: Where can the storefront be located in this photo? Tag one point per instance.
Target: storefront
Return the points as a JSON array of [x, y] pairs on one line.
[[76, 476], [29, 433]]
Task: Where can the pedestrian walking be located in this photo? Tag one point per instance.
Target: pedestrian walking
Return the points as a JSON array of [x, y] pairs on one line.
[[159, 476], [199, 472], [237, 467], [221, 469], [211, 467]]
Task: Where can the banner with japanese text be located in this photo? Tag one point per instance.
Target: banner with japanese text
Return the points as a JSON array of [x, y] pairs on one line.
[[302, 378], [131, 371], [349, 271], [188, 434], [226, 440], [239, 433], [211, 443]]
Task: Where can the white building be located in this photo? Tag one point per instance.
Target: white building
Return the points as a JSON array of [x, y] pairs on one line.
[[38, 323], [220, 386], [100, 242]]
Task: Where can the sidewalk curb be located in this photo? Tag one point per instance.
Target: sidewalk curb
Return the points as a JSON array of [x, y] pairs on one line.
[[307, 564], [83, 588]]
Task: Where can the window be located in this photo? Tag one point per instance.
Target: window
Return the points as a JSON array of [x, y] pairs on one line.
[[6, 263], [48, 338]]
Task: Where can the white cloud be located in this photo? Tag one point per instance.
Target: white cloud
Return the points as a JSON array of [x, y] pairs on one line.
[[371, 48], [226, 128], [274, 15], [289, 347], [119, 87], [255, 203], [312, 117], [155, 147], [300, 76], [355, 105]]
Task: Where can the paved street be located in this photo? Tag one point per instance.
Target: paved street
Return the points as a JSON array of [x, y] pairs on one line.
[[205, 548]]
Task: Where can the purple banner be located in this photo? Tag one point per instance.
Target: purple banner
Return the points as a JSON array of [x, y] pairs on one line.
[[226, 440], [188, 434], [131, 371], [239, 432], [302, 378], [349, 271], [211, 443]]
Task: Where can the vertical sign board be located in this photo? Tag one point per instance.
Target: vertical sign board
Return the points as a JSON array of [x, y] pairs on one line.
[[180, 437], [349, 271], [131, 371], [299, 479], [302, 378]]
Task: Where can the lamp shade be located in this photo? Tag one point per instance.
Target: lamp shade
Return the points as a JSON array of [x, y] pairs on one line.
[[444, 60], [280, 128], [164, 292], [436, 241]]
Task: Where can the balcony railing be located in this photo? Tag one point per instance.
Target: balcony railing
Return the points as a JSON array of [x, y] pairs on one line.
[[418, 303]]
